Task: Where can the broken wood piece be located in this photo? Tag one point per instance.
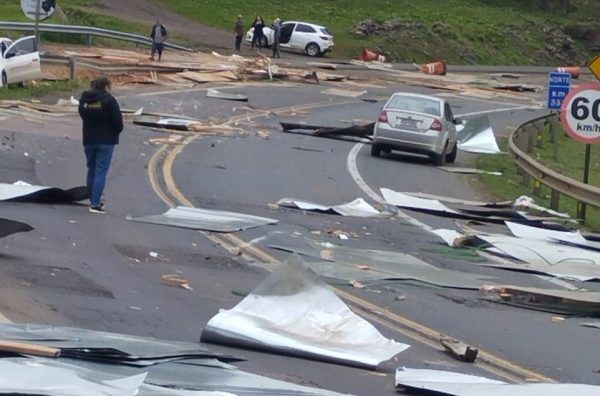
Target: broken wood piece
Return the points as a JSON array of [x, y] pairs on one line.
[[28, 349], [175, 281], [459, 349]]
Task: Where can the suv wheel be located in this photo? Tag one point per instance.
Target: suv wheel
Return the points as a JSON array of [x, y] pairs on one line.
[[312, 49]]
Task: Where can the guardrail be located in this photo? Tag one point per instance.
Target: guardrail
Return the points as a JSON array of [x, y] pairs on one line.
[[521, 144], [86, 31]]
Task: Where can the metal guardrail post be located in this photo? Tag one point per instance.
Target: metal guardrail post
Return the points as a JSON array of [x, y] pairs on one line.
[[90, 40], [554, 199], [72, 68]]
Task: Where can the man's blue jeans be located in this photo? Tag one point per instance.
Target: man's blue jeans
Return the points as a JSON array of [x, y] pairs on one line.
[[98, 161]]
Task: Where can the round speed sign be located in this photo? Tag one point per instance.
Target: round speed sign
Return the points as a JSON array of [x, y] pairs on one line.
[[580, 114]]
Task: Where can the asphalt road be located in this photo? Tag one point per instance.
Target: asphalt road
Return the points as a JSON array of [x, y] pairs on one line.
[[97, 272]]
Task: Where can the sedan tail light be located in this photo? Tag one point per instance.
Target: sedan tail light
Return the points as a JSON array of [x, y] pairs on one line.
[[383, 116], [436, 125]]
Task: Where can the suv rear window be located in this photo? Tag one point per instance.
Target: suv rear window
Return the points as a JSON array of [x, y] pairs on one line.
[[418, 105], [325, 31], [305, 28]]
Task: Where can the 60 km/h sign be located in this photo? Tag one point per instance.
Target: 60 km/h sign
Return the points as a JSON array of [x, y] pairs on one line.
[[581, 113]]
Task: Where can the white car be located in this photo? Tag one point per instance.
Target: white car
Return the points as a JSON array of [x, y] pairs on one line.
[[19, 60], [311, 39]]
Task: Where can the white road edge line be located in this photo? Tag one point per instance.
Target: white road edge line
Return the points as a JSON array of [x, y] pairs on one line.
[[352, 166]]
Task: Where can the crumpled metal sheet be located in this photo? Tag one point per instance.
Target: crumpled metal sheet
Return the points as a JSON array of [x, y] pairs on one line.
[[389, 265], [293, 312], [544, 234], [9, 227], [477, 136], [191, 376], [592, 324], [214, 93], [558, 260], [26, 377], [456, 384], [24, 192], [109, 347], [359, 207], [206, 219], [408, 201]]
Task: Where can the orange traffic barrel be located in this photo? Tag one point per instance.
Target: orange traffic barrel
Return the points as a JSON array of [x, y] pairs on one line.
[[437, 68], [368, 56], [574, 71]]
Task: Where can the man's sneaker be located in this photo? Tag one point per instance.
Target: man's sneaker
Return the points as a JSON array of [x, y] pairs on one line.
[[97, 209]]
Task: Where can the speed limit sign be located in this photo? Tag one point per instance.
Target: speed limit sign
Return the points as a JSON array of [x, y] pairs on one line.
[[580, 114]]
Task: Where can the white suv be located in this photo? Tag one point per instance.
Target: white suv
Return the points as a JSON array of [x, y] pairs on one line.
[[311, 39], [19, 60]]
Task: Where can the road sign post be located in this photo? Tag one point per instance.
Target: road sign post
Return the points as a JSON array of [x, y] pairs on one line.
[[558, 89], [581, 119]]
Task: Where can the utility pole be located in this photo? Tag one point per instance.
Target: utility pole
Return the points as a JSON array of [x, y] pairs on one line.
[[37, 21]]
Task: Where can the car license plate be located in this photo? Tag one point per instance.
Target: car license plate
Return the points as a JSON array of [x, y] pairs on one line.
[[409, 122]]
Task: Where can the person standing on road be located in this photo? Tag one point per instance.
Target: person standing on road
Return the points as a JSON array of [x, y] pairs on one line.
[[257, 36], [239, 32], [102, 123], [276, 37], [159, 36]]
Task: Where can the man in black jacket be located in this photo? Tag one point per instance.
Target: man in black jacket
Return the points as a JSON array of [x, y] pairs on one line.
[[102, 124]]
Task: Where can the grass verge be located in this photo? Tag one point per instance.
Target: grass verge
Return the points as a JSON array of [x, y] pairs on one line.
[[40, 89], [459, 31], [510, 184]]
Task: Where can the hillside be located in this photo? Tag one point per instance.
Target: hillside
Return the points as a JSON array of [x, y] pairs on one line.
[[541, 32]]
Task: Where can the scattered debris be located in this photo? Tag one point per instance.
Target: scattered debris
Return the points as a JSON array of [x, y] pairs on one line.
[[295, 313], [205, 219], [213, 93], [558, 319], [361, 131], [322, 65], [343, 92], [307, 149], [579, 303], [264, 134], [67, 102], [345, 263], [176, 280], [469, 171], [21, 191], [359, 207], [356, 284], [475, 135], [460, 350], [591, 324], [153, 254], [183, 124], [528, 204], [9, 227], [456, 384], [98, 363]]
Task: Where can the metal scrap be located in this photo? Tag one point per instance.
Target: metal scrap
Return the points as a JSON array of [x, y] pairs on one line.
[[213, 93], [359, 207], [459, 349], [456, 384], [21, 191], [205, 219], [360, 131], [293, 312], [9, 227], [475, 135]]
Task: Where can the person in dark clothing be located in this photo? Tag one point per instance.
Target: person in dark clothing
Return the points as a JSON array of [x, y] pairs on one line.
[[276, 37], [159, 36], [102, 124], [239, 32], [257, 36]]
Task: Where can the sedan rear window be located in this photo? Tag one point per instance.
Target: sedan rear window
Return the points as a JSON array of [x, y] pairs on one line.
[[417, 105], [305, 28]]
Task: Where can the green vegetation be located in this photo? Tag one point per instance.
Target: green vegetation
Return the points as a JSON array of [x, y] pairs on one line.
[[569, 162], [40, 89], [459, 31]]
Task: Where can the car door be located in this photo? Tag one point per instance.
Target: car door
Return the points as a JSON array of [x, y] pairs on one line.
[[287, 29], [449, 122], [303, 34], [22, 60]]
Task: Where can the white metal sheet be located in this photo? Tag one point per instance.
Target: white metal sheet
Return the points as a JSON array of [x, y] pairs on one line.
[[294, 312]]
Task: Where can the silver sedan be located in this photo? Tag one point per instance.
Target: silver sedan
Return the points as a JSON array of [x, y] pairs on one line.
[[416, 123]]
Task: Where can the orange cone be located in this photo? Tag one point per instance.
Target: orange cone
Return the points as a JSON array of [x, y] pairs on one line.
[[574, 71], [437, 68], [367, 56]]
